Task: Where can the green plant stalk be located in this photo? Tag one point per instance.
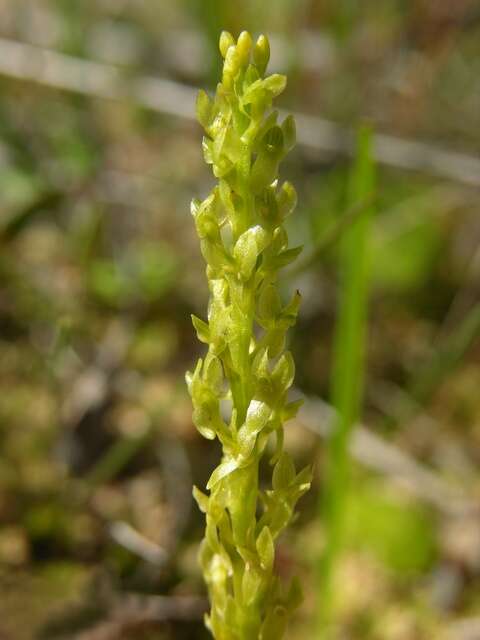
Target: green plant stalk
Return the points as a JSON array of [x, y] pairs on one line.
[[240, 389], [347, 377]]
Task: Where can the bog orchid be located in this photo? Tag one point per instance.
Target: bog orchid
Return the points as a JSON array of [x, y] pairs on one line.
[[240, 388]]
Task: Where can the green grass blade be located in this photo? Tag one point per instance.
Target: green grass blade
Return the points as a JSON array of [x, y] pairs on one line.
[[211, 17], [347, 374]]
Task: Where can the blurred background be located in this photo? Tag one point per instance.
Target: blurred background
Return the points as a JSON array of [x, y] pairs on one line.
[[100, 270]]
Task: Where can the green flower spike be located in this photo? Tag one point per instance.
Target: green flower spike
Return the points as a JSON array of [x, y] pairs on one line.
[[240, 389]]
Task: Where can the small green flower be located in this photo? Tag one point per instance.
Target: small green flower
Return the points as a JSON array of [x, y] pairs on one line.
[[244, 243]]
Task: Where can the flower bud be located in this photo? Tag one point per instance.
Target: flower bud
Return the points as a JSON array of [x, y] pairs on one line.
[[261, 53], [230, 66], [263, 172], [273, 140], [244, 46], [260, 364], [247, 249], [286, 199], [284, 372], [267, 205], [226, 41], [213, 374], [265, 548]]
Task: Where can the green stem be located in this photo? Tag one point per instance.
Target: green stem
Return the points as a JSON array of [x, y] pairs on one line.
[[347, 378]]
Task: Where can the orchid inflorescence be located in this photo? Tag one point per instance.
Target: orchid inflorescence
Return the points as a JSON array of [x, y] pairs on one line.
[[239, 390]]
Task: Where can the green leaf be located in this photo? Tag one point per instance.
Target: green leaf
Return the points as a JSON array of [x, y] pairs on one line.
[[286, 257], [291, 409], [263, 172], [289, 132], [226, 197], [280, 438], [275, 624], [203, 420], [303, 480], [266, 549], [260, 364], [213, 374], [269, 303], [286, 199], [195, 206], [279, 516], [205, 216], [201, 499], [231, 618], [247, 248], [207, 148], [211, 536], [191, 378], [251, 76], [205, 556], [290, 311], [246, 441], [280, 240], [275, 339], [245, 253], [275, 84], [267, 205], [204, 108], [202, 329], [222, 167], [258, 415], [283, 472], [251, 584], [260, 129], [222, 471], [284, 371]]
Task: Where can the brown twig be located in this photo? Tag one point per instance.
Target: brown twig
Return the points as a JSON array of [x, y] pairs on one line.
[[134, 611], [383, 457]]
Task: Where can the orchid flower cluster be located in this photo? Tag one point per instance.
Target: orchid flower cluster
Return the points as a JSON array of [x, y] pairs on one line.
[[240, 389]]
